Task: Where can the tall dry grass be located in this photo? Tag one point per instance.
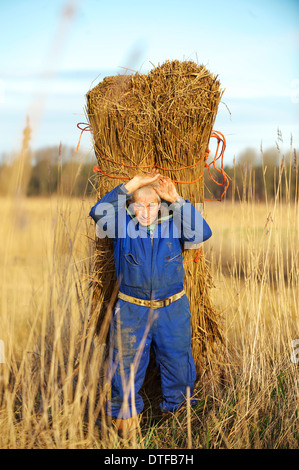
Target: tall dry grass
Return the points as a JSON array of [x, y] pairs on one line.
[[255, 259], [52, 387]]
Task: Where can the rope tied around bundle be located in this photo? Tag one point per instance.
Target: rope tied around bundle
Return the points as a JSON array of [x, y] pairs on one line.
[[218, 155]]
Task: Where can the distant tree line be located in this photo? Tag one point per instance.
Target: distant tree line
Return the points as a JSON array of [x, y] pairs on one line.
[[258, 178], [54, 170], [47, 171]]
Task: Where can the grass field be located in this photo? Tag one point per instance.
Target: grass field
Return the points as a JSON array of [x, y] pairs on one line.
[[49, 381]]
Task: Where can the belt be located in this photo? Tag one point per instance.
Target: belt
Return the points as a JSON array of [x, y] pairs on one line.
[[152, 303]]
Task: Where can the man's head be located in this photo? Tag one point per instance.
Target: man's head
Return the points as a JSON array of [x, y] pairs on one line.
[[146, 203]]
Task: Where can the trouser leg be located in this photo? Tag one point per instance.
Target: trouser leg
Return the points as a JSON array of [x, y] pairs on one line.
[[130, 344], [173, 351]]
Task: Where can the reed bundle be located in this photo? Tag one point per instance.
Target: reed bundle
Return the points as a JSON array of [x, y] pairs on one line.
[[163, 119]]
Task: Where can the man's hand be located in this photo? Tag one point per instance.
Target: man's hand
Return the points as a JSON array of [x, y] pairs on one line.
[[163, 185], [166, 189], [142, 180]]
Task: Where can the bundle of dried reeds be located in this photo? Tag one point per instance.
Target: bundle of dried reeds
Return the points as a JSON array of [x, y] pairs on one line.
[[164, 120]]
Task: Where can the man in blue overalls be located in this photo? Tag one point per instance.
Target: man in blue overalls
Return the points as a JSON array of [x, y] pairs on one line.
[[149, 224]]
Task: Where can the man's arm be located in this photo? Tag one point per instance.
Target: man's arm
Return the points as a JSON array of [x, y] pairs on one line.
[[192, 227], [105, 211], [141, 180]]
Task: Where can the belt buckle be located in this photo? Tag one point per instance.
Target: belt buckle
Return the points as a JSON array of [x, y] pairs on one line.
[[166, 302]]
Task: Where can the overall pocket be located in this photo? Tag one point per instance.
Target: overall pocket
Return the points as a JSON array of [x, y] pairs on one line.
[[131, 270], [131, 259], [173, 268]]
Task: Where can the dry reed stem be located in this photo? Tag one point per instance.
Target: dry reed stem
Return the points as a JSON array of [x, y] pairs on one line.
[[189, 434]]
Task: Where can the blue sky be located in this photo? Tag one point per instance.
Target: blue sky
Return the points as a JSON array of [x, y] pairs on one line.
[[52, 52]]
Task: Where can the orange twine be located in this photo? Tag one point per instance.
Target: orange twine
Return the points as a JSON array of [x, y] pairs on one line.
[[196, 259], [86, 128]]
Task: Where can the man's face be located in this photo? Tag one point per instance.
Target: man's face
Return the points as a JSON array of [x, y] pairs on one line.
[[146, 207]]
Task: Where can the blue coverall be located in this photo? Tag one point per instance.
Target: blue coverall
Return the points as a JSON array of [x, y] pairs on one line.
[[149, 265]]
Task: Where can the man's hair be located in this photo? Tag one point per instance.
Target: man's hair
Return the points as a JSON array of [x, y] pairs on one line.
[[145, 190]]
